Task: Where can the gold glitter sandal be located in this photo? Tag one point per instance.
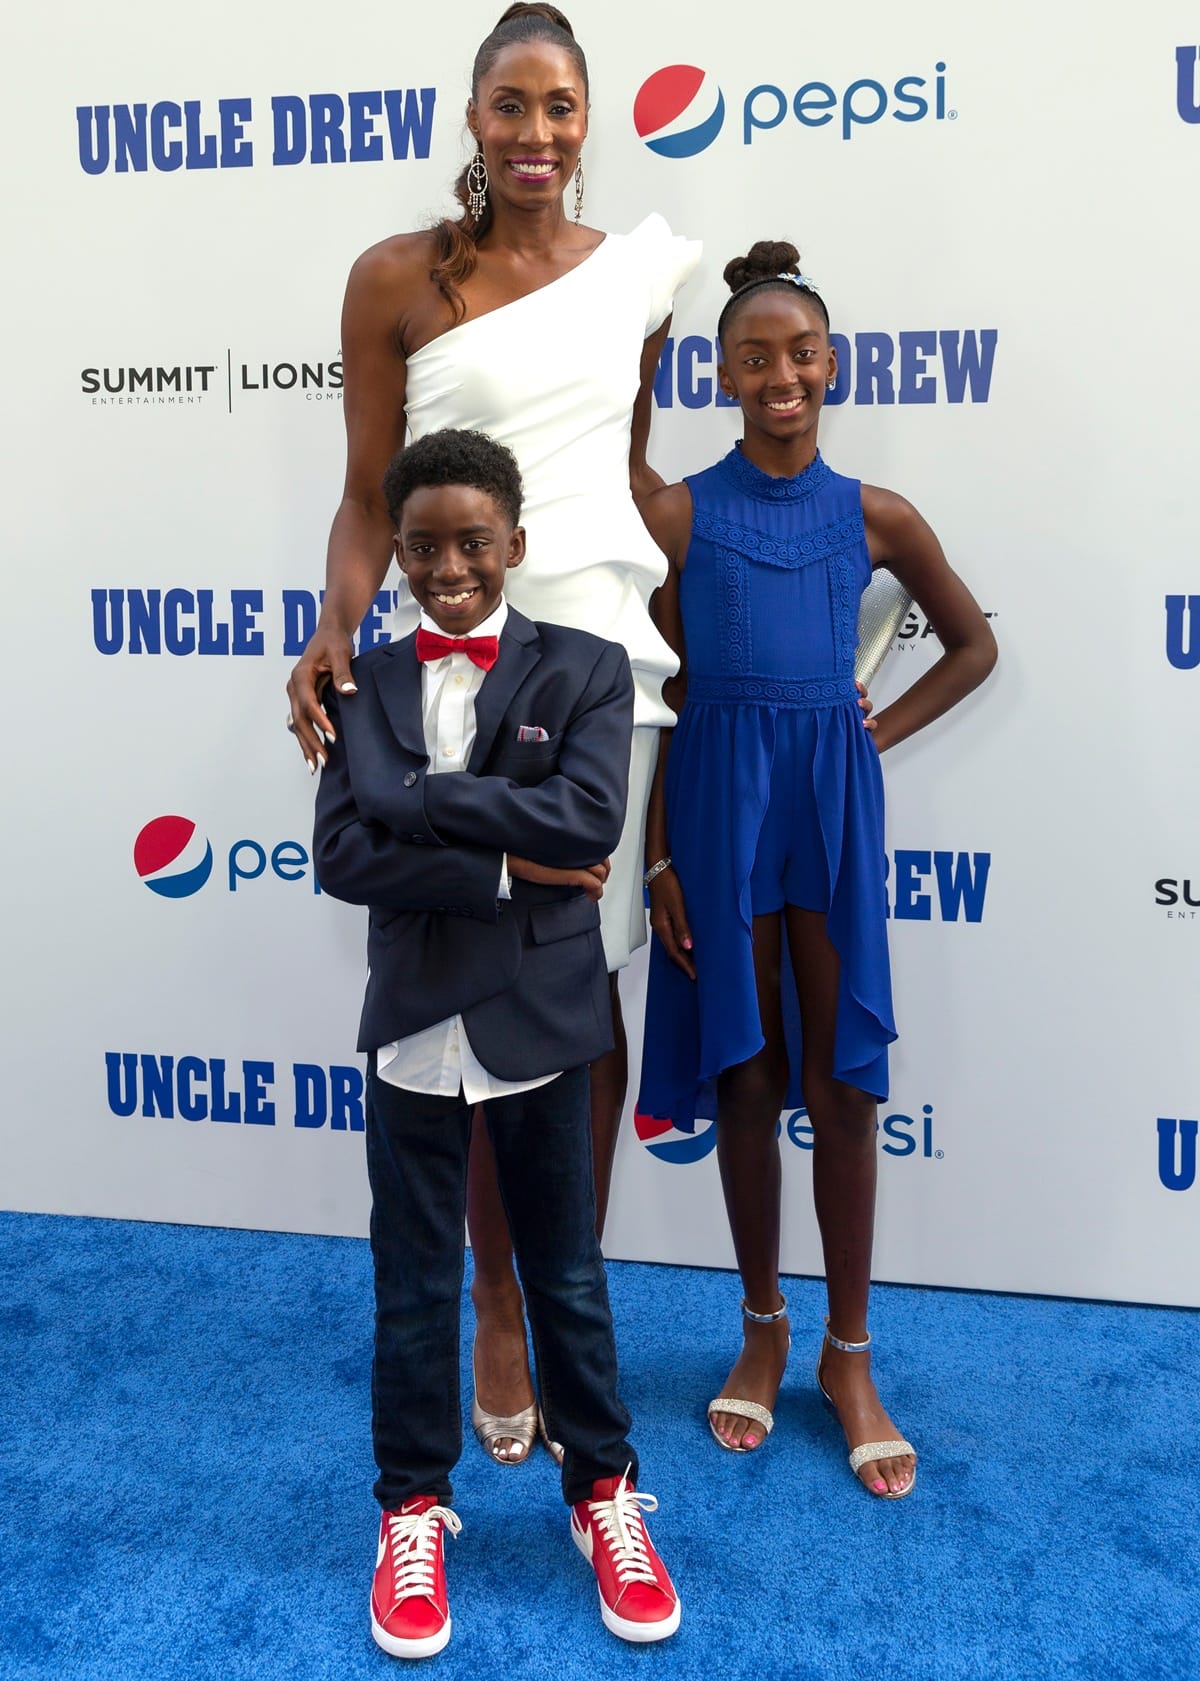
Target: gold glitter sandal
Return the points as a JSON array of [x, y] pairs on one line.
[[747, 1409], [867, 1451]]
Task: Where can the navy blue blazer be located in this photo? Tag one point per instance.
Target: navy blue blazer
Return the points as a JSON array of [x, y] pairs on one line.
[[424, 852]]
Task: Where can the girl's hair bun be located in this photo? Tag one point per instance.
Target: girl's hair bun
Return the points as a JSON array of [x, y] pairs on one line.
[[550, 13], [764, 260], [767, 260]]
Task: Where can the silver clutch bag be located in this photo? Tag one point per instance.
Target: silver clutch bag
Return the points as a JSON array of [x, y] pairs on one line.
[[884, 608]]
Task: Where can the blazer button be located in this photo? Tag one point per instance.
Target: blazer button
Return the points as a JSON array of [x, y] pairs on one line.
[[409, 778]]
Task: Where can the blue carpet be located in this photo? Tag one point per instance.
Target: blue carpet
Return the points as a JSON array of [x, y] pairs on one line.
[[185, 1483]]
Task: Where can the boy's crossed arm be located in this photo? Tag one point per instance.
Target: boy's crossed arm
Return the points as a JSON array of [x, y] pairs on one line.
[[572, 818], [437, 844], [360, 860]]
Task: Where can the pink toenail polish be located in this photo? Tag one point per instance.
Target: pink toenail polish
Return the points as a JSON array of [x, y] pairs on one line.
[[880, 1485], [751, 1441]]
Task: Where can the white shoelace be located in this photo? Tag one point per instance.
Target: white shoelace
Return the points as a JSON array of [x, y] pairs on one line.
[[624, 1534], [414, 1537]]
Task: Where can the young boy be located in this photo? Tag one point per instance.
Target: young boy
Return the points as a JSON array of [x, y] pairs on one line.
[[474, 788]]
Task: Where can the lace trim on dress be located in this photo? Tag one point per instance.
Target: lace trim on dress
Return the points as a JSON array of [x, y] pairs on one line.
[[836, 546], [845, 596], [771, 691], [735, 624], [778, 551], [754, 482]]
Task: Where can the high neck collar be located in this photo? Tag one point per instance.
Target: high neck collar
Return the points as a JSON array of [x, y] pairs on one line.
[[754, 482]]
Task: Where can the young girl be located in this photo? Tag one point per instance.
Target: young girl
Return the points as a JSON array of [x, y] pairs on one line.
[[764, 845]]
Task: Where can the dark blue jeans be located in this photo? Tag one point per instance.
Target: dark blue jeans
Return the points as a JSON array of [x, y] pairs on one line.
[[417, 1165]]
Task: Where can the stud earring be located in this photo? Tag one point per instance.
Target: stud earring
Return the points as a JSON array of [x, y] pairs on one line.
[[579, 186], [831, 385], [477, 187]]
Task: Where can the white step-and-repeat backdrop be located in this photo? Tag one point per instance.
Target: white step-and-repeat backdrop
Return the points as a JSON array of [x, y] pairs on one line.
[[999, 206]]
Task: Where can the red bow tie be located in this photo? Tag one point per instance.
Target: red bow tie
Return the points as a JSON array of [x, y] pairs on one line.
[[482, 651]]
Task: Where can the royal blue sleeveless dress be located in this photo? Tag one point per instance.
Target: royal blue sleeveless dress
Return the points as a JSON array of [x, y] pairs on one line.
[[773, 788]]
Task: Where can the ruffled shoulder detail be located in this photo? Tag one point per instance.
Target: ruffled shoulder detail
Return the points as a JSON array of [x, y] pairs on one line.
[[667, 260]]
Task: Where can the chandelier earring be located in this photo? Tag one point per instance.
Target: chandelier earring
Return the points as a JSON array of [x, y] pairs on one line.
[[579, 186], [477, 187]]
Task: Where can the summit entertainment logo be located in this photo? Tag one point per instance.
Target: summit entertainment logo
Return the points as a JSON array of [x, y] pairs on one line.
[[1178, 897]]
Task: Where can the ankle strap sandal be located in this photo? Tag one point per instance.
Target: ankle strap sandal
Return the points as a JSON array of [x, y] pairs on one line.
[[866, 1451], [846, 1347], [752, 1410], [765, 1318]]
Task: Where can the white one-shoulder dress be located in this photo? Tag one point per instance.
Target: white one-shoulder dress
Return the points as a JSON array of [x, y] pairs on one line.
[[554, 376]]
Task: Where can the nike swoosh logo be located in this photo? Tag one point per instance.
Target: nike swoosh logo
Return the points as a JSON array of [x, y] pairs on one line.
[[382, 1548]]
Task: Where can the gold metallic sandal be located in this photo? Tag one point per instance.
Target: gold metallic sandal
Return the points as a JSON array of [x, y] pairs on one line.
[[554, 1449], [867, 1451], [747, 1409], [490, 1429]]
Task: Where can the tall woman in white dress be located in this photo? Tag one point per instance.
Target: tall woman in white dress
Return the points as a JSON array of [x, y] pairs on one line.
[[545, 334]]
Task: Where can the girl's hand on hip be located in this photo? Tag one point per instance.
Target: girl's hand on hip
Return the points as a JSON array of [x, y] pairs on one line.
[[866, 706]]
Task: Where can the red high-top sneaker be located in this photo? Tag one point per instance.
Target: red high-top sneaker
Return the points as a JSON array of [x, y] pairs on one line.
[[637, 1598], [410, 1617]]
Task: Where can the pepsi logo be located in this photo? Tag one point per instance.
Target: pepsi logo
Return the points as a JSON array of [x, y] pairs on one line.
[[664, 1139], [679, 111], [172, 857]]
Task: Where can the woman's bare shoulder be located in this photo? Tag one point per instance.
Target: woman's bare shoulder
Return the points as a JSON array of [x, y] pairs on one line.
[[399, 258], [391, 292]]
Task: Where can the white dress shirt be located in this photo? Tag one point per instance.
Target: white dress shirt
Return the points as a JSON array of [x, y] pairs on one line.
[[439, 1059]]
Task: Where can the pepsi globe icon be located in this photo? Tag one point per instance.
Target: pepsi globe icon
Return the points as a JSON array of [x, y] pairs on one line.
[[669, 1143], [679, 111], [172, 857]]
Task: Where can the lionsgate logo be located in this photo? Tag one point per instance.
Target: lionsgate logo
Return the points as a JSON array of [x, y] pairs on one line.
[[918, 632], [1178, 898], [223, 383]]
